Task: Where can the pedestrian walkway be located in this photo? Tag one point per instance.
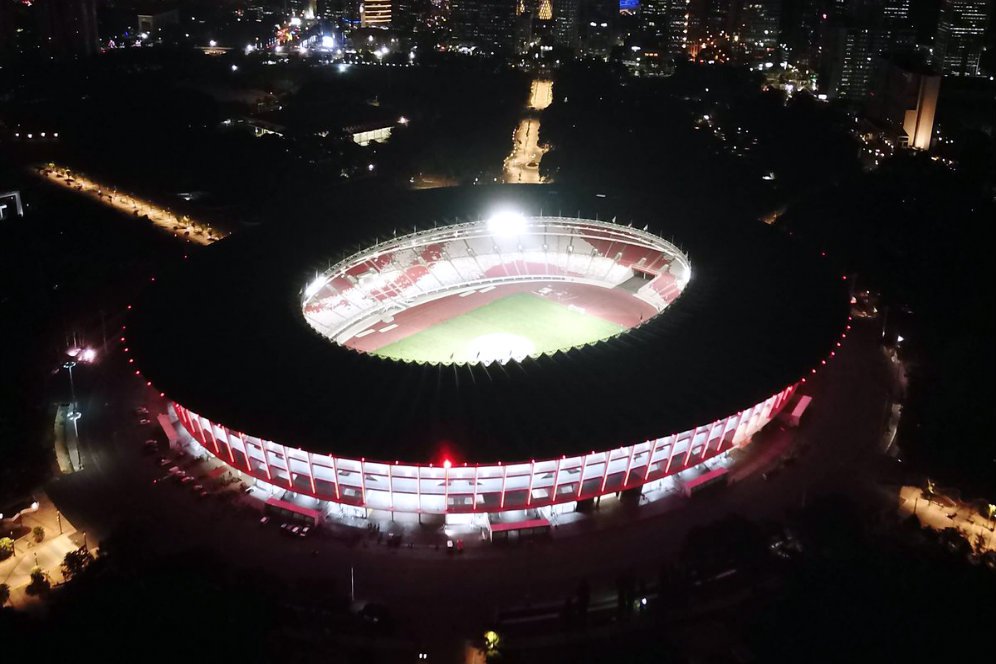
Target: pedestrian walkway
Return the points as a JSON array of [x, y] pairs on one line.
[[61, 537], [940, 513], [66, 438]]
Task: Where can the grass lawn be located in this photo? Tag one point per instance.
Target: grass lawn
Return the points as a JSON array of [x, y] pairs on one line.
[[518, 325]]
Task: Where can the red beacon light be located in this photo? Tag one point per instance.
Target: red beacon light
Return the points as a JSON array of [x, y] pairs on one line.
[[447, 464]]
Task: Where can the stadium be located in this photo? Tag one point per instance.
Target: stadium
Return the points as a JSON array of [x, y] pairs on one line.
[[477, 351]]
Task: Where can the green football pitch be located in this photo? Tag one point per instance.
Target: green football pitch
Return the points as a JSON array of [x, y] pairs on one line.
[[514, 326]]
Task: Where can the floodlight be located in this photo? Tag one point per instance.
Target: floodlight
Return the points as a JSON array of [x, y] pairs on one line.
[[314, 286], [507, 223]]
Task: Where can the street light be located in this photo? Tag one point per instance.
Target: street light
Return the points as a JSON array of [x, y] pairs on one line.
[[72, 388], [77, 355]]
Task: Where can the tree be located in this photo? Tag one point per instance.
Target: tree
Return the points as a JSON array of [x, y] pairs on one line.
[[38, 533], [4, 594], [76, 562], [6, 548], [40, 583]]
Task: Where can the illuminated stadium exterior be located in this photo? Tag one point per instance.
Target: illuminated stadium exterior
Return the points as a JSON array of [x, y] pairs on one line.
[[263, 366]]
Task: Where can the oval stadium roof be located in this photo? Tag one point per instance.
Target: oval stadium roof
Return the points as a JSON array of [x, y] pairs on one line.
[[223, 334]]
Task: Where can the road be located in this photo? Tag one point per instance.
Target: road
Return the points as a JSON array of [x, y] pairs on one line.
[[540, 94], [522, 164], [453, 596], [941, 512], [181, 227]]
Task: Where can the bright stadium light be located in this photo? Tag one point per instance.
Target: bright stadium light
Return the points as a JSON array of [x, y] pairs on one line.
[[499, 347], [314, 286], [507, 223]]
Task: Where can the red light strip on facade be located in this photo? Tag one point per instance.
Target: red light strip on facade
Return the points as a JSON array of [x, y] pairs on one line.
[[584, 466], [287, 467], [670, 454], [691, 445], [605, 472], [532, 475], [504, 477], [335, 478], [556, 479], [363, 481], [629, 464], [311, 473], [476, 469], [446, 485]]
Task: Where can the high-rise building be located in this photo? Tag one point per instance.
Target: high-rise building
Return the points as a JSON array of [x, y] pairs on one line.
[[756, 27], [375, 13], [961, 31], [490, 23], [848, 59], [728, 29], [340, 11], [859, 32], [809, 24], [903, 99], [68, 28], [666, 22], [566, 20], [896, 11], [599, 26]]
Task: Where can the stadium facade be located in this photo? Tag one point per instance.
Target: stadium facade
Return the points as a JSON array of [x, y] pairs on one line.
[[285, 398]]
